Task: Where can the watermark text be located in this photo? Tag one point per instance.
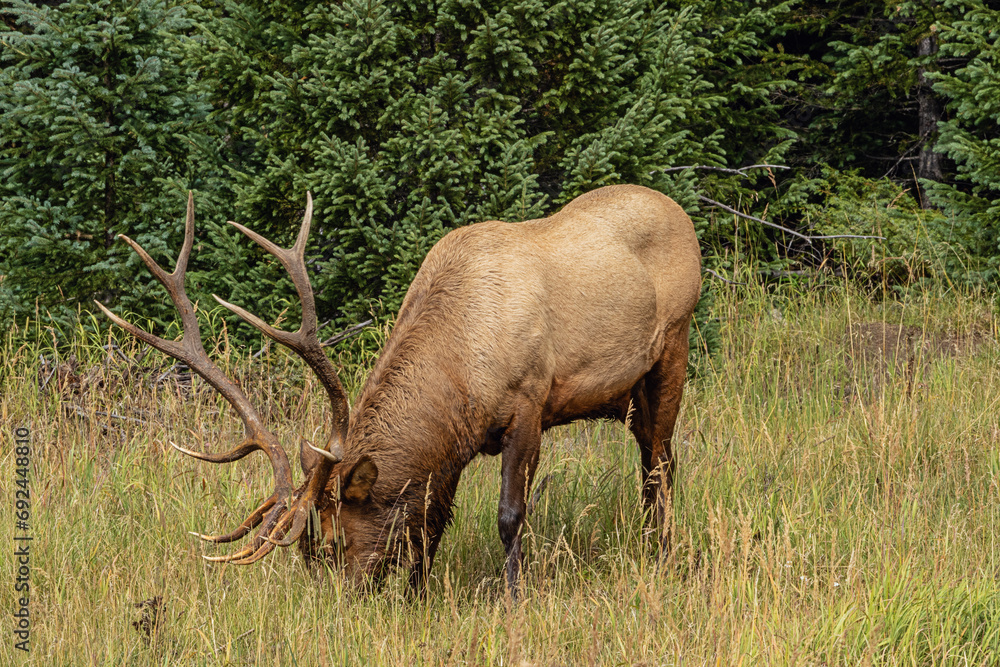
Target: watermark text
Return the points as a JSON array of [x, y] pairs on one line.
[[22, 539]]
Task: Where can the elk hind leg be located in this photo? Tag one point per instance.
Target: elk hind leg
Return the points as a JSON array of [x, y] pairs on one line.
[[521, 444], [656, 400]]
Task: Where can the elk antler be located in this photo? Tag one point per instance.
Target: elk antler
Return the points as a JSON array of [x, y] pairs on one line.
[[303, 342], [283, 514]]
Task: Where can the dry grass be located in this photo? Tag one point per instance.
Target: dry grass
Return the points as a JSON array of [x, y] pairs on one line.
[[837, 503]]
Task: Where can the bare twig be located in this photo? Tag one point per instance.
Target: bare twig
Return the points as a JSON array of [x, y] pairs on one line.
[[111, 346], [111, 415], [221, 647], [264, 348], [80, 412], [346, 333], [741, 171], [45, 382], [905, 157], [804, 237], [775, 273], [163, 376], [725, 280]]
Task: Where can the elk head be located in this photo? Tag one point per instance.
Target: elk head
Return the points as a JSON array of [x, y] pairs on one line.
[[282, 518]]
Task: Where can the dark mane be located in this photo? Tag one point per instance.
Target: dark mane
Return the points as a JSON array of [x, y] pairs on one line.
[[398, 419]]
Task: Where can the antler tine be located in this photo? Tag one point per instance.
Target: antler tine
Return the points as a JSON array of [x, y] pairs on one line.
[[252, 549], [288, 256], [301, 515], [182, 258], [249, 524], [174, 282], [267, 539], [235, 454], [190, 350], [271, 518], [325, 454], [303, 342], [264, 550]]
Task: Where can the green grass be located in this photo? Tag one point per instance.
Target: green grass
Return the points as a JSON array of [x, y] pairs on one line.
[[837, 504]]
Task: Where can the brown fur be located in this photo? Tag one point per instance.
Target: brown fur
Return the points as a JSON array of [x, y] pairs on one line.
[[507, 330]]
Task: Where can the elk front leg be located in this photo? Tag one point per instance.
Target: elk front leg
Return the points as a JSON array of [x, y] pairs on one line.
[[521, 444], [421, 567]]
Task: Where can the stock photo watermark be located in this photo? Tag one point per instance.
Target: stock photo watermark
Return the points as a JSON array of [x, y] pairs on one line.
[[22, 539]]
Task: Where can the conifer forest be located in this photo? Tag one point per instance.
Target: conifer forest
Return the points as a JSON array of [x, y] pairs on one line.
[[408, 119]]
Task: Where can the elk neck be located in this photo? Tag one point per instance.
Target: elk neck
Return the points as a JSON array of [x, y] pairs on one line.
[[417, 418]]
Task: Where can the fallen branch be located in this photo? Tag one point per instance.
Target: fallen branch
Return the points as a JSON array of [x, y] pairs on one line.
[[346, 333], [725, 280], [112, 347], [804, 237], [163, 376], [775, 273], [80, 412], [45, 382], [741, 171]]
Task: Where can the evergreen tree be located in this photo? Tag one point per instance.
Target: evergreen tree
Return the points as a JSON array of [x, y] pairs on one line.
[[863, 101], [971, 136], [406, 120], [871, 103], [102, 130]]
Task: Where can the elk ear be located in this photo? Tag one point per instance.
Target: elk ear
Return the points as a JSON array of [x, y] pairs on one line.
[[308, 458], [309, 455], [359, 482]]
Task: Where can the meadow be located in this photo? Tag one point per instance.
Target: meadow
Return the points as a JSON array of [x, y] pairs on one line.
[[837, 503]]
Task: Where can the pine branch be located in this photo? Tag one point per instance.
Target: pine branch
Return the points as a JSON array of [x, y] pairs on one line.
[[353, 330]]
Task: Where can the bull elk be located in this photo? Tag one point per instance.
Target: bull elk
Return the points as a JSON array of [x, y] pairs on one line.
[[507, 330]]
